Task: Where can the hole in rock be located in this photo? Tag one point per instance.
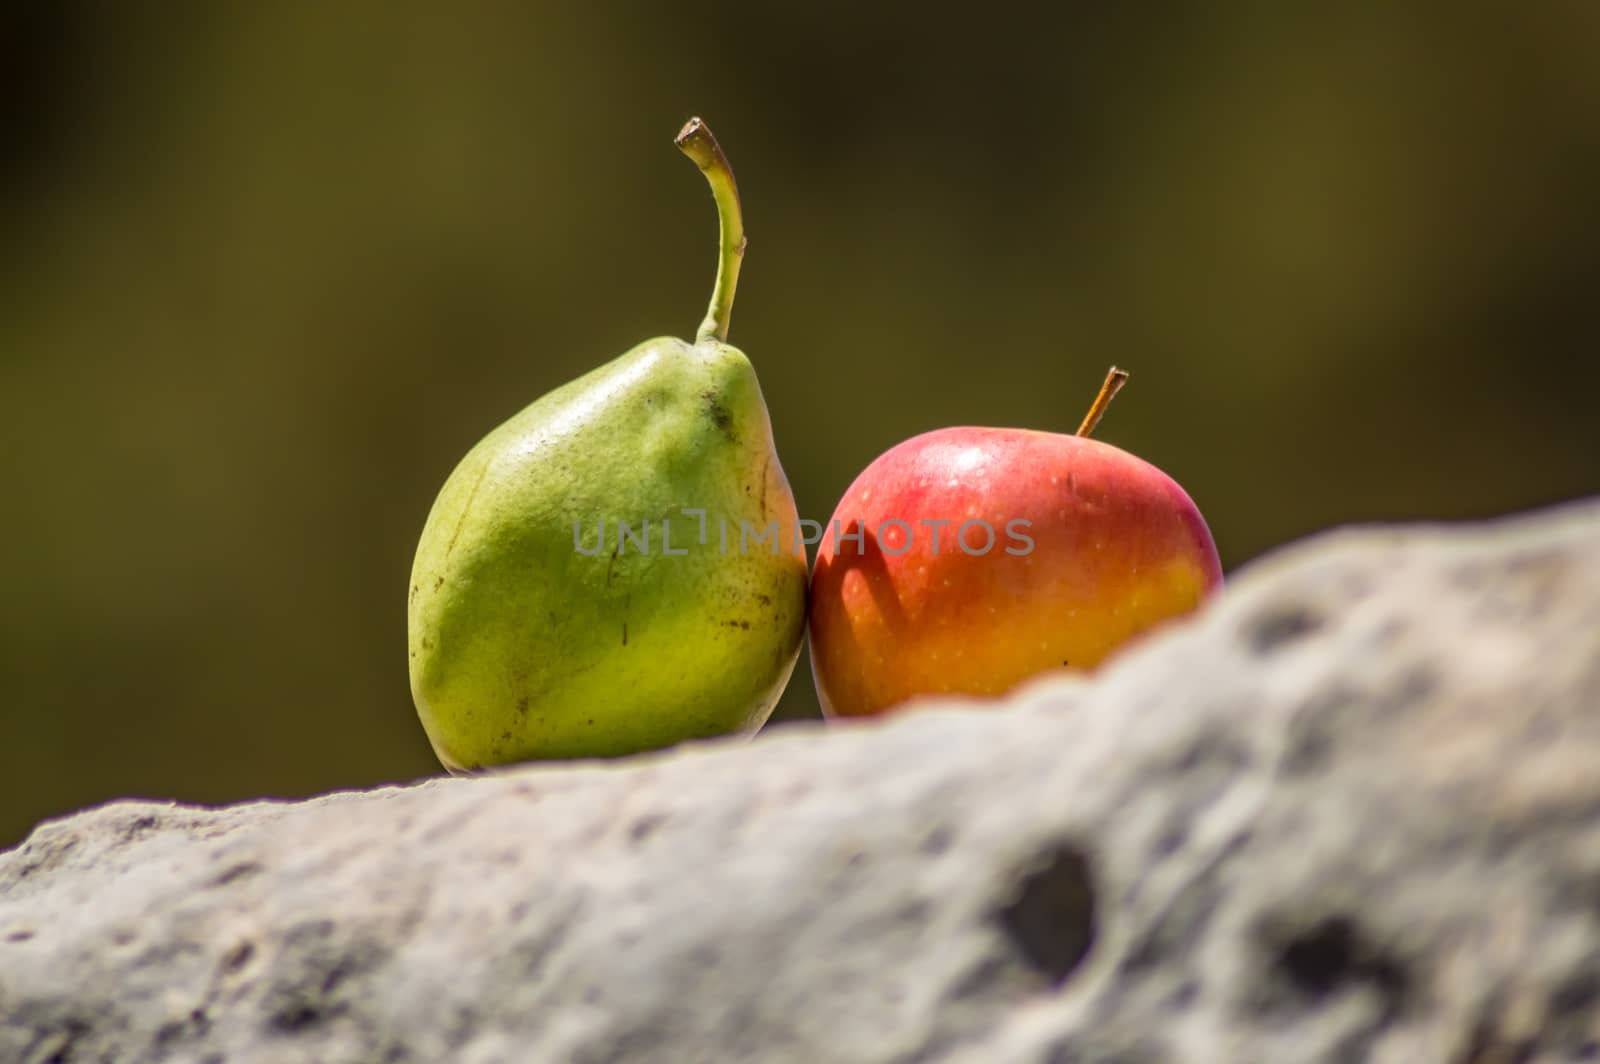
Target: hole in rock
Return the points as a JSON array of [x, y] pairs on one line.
[[1281, 625], [1051, 915], [937, 841], [1333, 955]]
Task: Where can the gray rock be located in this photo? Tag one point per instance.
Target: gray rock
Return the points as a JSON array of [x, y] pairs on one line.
[[1352, 812]]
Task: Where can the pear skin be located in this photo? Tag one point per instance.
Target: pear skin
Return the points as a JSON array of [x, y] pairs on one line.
[[540, 627]]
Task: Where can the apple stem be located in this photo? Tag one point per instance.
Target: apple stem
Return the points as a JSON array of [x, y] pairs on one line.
[[697, 142], [1115, 379]]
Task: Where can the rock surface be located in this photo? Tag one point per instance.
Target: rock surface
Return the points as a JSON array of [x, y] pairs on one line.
[[1352, 812]]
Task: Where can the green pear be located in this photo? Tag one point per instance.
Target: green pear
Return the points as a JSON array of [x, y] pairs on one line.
[[616, 568]]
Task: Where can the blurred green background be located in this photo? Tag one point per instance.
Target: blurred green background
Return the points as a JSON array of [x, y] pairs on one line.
[[272, 269]]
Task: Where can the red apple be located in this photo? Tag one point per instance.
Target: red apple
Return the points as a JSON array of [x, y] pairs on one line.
[[968, 559]]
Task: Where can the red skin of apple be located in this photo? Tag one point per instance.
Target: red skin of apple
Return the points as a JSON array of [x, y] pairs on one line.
[[1118, 548]]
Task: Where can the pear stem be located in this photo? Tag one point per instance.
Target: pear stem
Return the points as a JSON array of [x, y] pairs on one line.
[[1115, 379], [697, 142]]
